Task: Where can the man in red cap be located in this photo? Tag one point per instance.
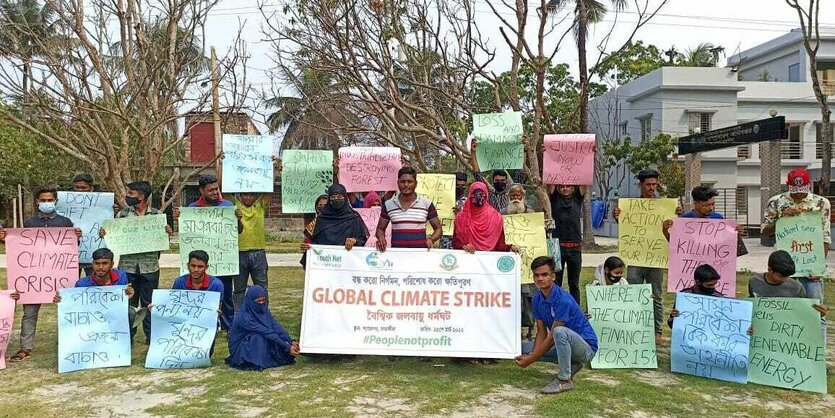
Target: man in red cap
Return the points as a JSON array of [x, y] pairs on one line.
[[800, 199]]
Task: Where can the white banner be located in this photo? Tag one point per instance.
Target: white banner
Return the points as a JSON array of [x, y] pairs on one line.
[[411, 302]]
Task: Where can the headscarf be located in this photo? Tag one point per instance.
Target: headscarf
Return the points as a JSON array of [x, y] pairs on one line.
[[370, 199], [480, 226], [255, 318], [311, 225], [335, 225]]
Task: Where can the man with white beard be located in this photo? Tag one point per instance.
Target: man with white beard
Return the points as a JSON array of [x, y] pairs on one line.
[[517, 204]]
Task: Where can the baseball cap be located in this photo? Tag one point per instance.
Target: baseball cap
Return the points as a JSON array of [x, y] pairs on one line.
[[799, 181]]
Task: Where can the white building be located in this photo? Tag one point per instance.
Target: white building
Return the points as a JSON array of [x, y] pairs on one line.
[[681, 100]]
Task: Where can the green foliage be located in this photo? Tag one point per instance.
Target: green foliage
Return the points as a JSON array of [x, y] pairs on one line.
[[634, 61], [650, 153], [672, 179], [29, 161]]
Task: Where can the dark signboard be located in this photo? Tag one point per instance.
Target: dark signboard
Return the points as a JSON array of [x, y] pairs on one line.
[[757, 131]]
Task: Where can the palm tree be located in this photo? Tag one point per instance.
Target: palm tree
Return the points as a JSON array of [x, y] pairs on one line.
[[700, 56], [26, 27]]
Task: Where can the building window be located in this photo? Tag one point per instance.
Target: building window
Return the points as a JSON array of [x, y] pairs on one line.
[[794, 73], [624, 128], [792, 147], [699, 122], [741, 200], [646, 128], [743, 151], [819, 139]]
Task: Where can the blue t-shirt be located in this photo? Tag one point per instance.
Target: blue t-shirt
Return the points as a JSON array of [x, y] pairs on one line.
[[215, 285], [711, 215], [560, 306], [120, 275]]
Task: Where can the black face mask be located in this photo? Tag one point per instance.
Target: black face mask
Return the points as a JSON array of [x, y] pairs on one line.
[[459, 191], [499, 186], [704, 290], [615, 279], [131, 201], [338, 204]]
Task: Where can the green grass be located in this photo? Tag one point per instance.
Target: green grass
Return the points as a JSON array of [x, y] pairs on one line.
[[372, 386]]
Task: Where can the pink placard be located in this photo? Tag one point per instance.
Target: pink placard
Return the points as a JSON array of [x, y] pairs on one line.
[[41, 261], [363, 169], [7, 305], [697, 241], [371, 216], [569, 159]]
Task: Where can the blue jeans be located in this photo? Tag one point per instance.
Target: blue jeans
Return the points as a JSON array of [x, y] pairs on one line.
[[569, 349], [251, 263], [814, 290], [227, 306]]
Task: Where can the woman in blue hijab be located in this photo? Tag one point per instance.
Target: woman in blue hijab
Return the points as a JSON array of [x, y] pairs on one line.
[[256, 340]]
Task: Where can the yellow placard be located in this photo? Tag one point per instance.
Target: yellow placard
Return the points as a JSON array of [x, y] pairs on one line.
[[440, 189], [641, 241], [526, 231]]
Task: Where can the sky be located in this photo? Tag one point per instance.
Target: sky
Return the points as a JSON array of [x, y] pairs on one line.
[[736, 25]]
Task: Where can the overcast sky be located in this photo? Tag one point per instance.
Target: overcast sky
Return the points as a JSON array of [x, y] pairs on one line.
[[734, 24]]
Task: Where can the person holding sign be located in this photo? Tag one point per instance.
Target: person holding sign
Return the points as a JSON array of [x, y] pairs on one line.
[[252, 243], [256, 340], [45, 217], [460, 191], [82, 183], [210, 196], [706, 278], [800, 199], [105, 275], [610, 273], [499, 198], [338, 223], [408, 214], [648, 182], [479, 227], [704, 204], [563, 332], [566, 209], [143, 268]]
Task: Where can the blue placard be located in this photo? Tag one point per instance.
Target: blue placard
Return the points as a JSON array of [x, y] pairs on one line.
[[183, 327], [93, 330], [710, 337]]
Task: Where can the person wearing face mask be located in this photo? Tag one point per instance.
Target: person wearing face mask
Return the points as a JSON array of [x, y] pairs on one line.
[[143, 268], [500, 180], [460, 191], [706, 278], [610, 273], [45, 217], [256, 340]]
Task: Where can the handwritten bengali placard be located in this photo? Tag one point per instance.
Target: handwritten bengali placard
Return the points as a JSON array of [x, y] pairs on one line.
[[695, 241], [371, 216], [440, 189], [213, 230], [305, 175], [40, 261], [183, 327], [802, 237], [623, 319], [93, 328], [641, 241], [787, 348], [87, 211], [7, 305], [710, 337], [363, 169], [136, 234], [526, 231], [569, 159], [499, 138], [247, 164], [411, 302]]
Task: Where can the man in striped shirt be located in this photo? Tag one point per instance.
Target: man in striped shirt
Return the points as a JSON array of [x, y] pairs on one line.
[[408, 214]]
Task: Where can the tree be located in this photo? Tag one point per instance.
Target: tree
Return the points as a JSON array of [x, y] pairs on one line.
[[810, 28], [632, 62], [113, 83], [699, 56]]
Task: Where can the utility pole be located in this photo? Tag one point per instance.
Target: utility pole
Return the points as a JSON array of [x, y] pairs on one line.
[[216, 111]]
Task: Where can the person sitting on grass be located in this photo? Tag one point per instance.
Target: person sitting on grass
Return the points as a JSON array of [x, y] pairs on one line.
[[256, 340], [105, 275], [706, 278], [563, 333], [610, 273]]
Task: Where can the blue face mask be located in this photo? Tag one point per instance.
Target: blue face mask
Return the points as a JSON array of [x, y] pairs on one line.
[[46, 207]]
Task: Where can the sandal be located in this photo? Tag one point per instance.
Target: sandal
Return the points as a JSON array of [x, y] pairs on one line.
[[20, 356]]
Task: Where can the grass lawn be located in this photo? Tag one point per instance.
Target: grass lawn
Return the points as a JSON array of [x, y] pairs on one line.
[[372, 386]]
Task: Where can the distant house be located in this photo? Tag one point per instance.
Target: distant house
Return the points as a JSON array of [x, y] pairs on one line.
[[684, 100]]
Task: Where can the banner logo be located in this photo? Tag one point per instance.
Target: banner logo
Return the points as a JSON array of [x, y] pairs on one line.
[[378, 261], [449, 262], [505, 264]]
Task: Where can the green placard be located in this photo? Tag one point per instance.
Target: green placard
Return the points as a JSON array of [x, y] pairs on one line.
[[305, 175], [213, 230], [802, 237], [622, 318], [787, 349], [136, 234], [499, 140]]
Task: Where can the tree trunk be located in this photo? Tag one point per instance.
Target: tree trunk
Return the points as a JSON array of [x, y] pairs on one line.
[[582, 29]]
